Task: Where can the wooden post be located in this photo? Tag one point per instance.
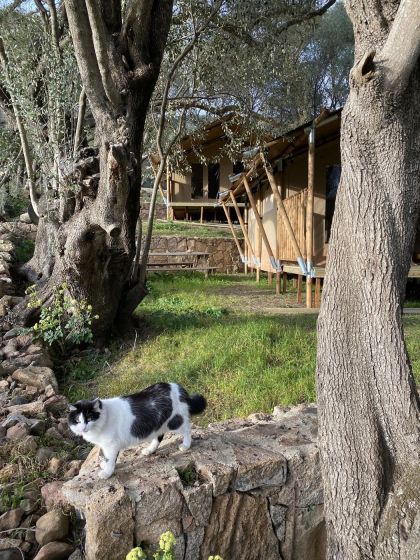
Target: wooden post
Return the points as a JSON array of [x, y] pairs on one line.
[[299, 289], [258, 218], [259, 236], [270, 277], [282, 210], [232, 229], [201, 214], [243, 227], [168, 190], [310, 215], [318, 292], [284, 282]]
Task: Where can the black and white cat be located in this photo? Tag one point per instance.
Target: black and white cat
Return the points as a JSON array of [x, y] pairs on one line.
[[114, 424]]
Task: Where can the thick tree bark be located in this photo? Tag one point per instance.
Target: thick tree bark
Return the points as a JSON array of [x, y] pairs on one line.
[[368, 403], [92, 242]]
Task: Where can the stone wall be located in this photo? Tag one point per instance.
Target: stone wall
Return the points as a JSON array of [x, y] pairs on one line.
[[247, 490], [160, 211], [223, 252]]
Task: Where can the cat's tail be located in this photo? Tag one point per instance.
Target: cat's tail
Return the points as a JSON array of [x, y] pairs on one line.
[[196, 404]]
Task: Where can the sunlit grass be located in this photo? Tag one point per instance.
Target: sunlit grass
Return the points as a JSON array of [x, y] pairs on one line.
[[242, 362]]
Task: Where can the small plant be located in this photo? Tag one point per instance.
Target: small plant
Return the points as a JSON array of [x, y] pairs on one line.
[[66, 321], [166, 550]]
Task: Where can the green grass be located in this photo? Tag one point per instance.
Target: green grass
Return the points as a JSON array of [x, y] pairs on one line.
[[243, 362], [24, 250], [173, 228]]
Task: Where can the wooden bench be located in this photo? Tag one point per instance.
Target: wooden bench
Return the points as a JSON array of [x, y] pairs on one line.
[[180, 261]]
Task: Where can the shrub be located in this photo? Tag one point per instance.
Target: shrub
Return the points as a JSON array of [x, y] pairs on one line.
[[65, 322], [166, 550]]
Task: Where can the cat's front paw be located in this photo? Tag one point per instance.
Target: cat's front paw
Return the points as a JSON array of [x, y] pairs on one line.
[[105, 474], [146, 452], [103, 464], [183, 447]]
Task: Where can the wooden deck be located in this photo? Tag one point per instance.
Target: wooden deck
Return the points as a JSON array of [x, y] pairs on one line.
[[320, 270]]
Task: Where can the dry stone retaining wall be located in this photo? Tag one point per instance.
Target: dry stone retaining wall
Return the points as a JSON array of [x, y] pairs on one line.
[[223, 253], [247, 490]]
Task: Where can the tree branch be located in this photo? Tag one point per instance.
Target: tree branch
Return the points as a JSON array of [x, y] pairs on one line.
[[79, 126], [402, 48], [87, 63], [22, 135], [102, 41], [54, 23]]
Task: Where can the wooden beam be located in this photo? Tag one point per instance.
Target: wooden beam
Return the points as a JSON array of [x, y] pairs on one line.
[[318, 292], [259, 236], [283, 213], [243, 228], [258, 220], [310, 215], [232, 229], [299, 289]]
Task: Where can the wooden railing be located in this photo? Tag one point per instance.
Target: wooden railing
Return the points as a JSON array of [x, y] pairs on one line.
[[295, 207]]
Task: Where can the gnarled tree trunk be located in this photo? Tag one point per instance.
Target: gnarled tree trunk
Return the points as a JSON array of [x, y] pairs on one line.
[[88, 239], [368, 404]]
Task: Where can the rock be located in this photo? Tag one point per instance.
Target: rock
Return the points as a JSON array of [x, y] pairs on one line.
[[39, 377], [12, 333], [252, 531], [77, 555], [109, 517], [38, 427], [49, 391], [55, 465], [56, 405], [18, 431], [2, 432], [53, 526], [72, 470], [34, 408], [7, 543], [55, 551], [28, 445], [53, 433], [25, 218], [23, 340], [33, 349], [31, 392], [29, 505], [44, 454], [11, 519], [14, 419], [19, 399], [10, 554], [53, 497], [4, 385]]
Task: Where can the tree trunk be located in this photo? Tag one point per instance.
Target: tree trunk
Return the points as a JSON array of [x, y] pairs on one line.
[[368, 403], [87, 239]]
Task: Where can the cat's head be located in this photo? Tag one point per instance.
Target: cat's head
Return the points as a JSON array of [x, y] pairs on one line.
[[84, 415]]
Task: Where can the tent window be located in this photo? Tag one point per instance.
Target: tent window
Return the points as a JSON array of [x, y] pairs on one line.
[[333, 180], [196, 180], [214, 179], [238, 167]]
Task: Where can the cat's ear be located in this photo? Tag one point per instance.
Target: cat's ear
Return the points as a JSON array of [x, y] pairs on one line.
[[97, 404], [72, 408]]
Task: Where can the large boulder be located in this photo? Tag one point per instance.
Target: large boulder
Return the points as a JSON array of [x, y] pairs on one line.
[[53, 526], [246, 489]]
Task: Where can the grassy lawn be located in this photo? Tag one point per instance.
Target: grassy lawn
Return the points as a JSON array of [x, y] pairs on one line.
[[200, 334], [169, 227]]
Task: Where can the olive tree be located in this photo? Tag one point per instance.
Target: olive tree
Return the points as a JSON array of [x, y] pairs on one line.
[[368, 402]]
